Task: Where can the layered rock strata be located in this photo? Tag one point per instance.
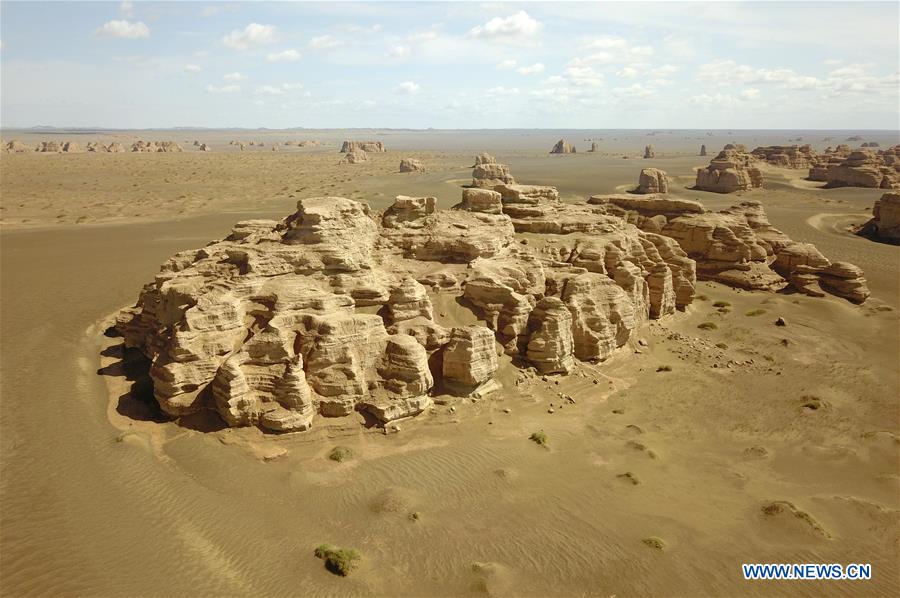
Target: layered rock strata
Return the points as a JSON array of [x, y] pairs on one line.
[[731, 170], [885, 223], [563, 147], [787, 156], [867, 168], [366, 146], [652, 180]]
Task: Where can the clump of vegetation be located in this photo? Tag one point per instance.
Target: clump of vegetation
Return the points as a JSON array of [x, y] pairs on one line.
[[539, 438], [769, 358], [654, 542], [756, 312], [722, 345], [721, 304], [701, 298], [664, 368], [813, 403], [340, 561], [707, 326], [340, 453], [415, 516]]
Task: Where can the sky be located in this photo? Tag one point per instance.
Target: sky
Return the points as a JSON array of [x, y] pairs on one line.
[[451, 65]]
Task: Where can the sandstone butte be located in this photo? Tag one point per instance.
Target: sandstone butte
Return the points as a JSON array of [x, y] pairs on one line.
[[885, 223], [731, 170], [366, 146], [330, 310]]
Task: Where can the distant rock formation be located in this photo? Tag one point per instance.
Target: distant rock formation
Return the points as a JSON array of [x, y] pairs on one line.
[[115, 147], [652, 180], [594, 147], [703, 149], [142, 146], [562, 147], [885, 223], [204, 148], [71, 147], [871, 144], [366, 146], [831, 157], [48, 147], [411, 165], [867, 168], [16, 147], [196, 143], [265, 328], [649, 152], [787, 156], [356, 156], [731, 170], [487, 173]]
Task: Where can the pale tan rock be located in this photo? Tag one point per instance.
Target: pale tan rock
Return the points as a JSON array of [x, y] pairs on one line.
[[787, 156], [16, 147], [356, 156], [481, 200], [649, 152], [411, 165], [867, 168], [469, 359], [885, 222], [365, 146], [595, 147], [731, 170], [48, 147], [844, 280], [491, 174], [484, 158], [115, 147], [652, 180], [563, 147], [550, 346]]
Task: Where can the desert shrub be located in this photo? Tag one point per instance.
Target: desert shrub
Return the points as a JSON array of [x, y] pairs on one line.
[[721, 304], [539, 438], [664, 368], [340, 453], [340, 561], [756, 312], [722, 345], [707, 326]]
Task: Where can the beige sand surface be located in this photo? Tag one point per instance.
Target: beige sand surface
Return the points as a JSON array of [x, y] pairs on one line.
[[101, 497]]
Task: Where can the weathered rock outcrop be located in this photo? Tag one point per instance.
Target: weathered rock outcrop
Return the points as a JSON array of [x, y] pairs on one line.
[[487, 173], [356, 156], [411, 165], [731, 170], [595, 147], [649, 152], [832, 157], [885, 223], [204, 148], [330, 310], [787, 156], [366, 146], [155, 146], [563, 147], [48, 147], [115, 147], [16, 147], [71, 147], [652, 180], [703, 149], [867, 168]]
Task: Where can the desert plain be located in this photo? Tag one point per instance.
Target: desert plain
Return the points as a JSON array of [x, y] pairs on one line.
[[691, 450]]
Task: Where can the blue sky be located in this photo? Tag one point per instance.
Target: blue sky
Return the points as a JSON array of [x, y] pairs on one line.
[[450, 65]]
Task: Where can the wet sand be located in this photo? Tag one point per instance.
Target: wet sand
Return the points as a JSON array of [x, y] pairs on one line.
[[166, 509]]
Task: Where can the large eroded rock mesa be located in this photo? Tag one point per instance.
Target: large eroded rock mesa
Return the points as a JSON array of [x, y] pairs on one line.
[[366, 146], [731, 170], [563, 147], [866, 168], [787, 156], [330, 310]]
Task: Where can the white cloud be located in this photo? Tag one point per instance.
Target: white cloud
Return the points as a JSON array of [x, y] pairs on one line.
[[503, 91], [518, 25], [192, 68], [506, 64], [201, 53], [642, 50], [284, 56], [407, 87], [583, 76], [832, 61], [234, 77], [123, 29], [399, 52], [127, 8], [253, 34], [634, 91], [627, 73], [322, 42], [277, 90], [223, 89], [604, 43], [534, 69], [729, 72], [750, 93]]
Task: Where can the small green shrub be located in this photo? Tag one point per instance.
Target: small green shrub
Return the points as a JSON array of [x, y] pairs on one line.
[[722, 345], [756, 312], [340, 453], [664, 368], [721, 304], [539, 438], [707, 326], [340, 561]]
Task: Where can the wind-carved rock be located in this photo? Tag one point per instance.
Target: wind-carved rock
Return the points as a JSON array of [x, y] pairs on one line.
[[885, 223], [411, 165], [356, 156], [365, 146], [731, 170], [787, 156], [832, 157], [652, 180], [703, 149], [563, 147], [867, 168], [595, 147], [330, 310], [649, 152], [487, 173]]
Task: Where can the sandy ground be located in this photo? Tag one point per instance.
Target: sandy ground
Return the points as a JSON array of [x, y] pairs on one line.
[[760, 444]]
